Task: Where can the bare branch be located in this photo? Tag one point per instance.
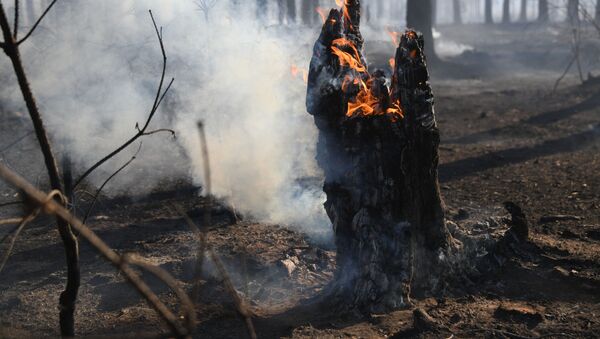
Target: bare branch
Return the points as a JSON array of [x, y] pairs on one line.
[[172, 283], [26, 220], [7, 147], [10, 203], [16, 233], [173, 134], [89, 210], [160, 94], [16, 20], [240, 304], [201, 238], [52, 207], [39, 20], [10, 221]]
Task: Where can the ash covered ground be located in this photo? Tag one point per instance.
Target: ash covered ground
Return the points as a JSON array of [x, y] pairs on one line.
[[505, 137]]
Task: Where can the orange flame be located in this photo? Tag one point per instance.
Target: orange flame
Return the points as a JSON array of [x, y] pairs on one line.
[[394, 35], [339, 3], [393, 63], [322, 13], [351, 60], [296, 71]]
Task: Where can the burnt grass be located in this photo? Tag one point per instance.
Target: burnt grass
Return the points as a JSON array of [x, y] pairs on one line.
[[505, 137]]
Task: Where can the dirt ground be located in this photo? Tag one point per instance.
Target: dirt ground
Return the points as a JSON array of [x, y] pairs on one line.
[[505, 137]]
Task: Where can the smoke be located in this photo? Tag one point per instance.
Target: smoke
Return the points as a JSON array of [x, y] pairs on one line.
[[94, 67]]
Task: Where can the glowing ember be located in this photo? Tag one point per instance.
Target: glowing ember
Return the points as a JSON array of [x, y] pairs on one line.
[[393, 63]]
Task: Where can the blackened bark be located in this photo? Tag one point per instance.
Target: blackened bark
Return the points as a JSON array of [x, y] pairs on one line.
[[418, 16], [543, 11], [457, 11], [488, 12], [506, 11], [381, 181]]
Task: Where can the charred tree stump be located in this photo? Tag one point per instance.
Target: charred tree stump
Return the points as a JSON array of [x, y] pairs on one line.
[[378, 147]]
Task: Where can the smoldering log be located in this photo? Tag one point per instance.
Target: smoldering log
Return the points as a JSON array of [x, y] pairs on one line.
[[378, 147]]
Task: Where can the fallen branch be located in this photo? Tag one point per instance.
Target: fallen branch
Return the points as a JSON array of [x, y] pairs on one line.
[[7, 147], [26, 220], [160, 94], [51, 207]]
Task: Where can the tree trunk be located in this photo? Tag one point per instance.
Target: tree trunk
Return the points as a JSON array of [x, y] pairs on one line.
[[261, 10], [597, 17], [291, 11], [30, 12], [434, 10], [280, 11], [418, 16], [543, 11], [383, 196], [488, 12], [523, 14], [506, 12], [573, 11], [306, 12], [457, 11]]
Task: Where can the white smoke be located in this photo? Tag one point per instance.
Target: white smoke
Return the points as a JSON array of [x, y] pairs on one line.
[[94, 67]]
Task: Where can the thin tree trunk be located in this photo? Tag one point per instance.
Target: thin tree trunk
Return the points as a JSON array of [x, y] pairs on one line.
[[30, 12], [306, 12], [418, 16], [573, 11], [434, 8], [68, 297], [291, 11], [543, 11], [457, 11], [523, 14], [261, 10], [506, 12], [489, 19], [280, 11], [597, 17]]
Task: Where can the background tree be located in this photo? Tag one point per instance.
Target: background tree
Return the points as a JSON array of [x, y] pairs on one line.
[[30, 8], [457, 11], [261, 10], [506, 11], [523, 15], [488, 12], [543, 11], [597, 11], [280, 11], [306, 12], [419, 16], [291, 11], [573, 11]]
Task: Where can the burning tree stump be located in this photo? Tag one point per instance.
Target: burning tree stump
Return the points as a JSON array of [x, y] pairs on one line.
[[378, 146]]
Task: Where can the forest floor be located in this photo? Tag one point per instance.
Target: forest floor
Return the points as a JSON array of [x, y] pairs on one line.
[[505, 137]]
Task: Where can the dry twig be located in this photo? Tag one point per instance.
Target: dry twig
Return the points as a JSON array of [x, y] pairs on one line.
[[99, 190], [160, 94], [51, 207], [240, 304]]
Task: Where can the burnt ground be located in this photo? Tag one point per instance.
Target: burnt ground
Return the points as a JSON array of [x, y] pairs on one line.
[[505, 137]]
